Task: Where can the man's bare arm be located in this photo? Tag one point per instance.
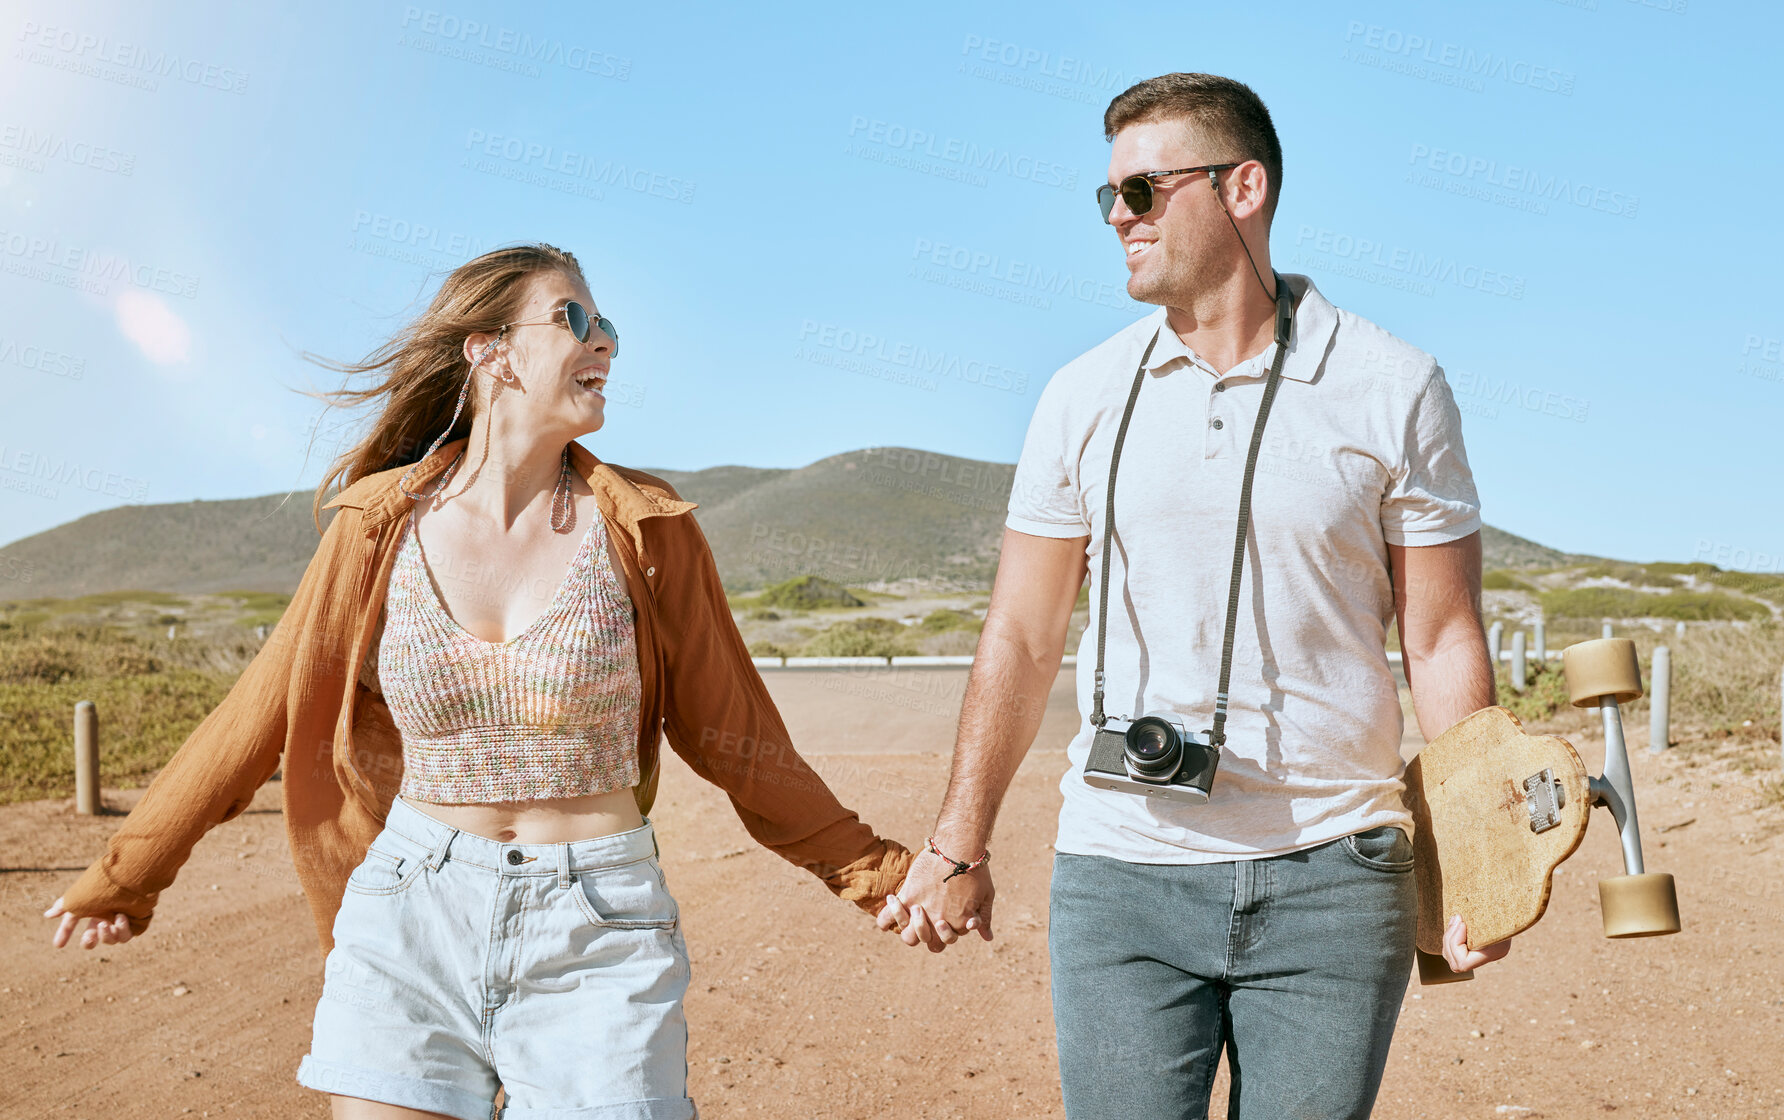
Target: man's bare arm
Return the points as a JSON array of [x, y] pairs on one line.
[[1444, 649], [1437, 605], [1013, 672], [1006, 696]]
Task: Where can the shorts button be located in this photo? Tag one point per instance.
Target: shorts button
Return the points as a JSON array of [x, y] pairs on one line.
[[514, 857]]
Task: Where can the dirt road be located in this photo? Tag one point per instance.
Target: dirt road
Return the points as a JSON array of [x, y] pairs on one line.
[[799, 1008]]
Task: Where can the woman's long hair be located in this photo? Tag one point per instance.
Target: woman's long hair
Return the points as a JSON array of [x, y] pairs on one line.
[[422, 369]]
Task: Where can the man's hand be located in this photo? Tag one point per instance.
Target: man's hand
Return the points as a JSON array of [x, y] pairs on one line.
[[927, 911], [1463, 959], [1014, 668]]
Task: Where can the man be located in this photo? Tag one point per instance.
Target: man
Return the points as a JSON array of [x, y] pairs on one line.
[[1276, 919]]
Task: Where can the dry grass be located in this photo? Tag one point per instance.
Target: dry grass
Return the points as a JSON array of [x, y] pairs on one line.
[[150, 693]]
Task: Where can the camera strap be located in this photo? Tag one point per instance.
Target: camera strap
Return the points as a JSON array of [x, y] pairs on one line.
[[1285, 317]]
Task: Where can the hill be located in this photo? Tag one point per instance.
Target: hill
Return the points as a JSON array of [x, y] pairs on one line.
[[252, 544], [866, 517]]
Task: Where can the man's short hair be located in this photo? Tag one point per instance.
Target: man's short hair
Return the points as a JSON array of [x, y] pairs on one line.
[[1229, 114]]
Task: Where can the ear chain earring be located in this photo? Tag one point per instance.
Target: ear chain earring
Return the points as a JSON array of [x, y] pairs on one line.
[[563, 509]]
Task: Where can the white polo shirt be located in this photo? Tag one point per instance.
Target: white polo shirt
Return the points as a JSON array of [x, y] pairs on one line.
[[1363, 448]]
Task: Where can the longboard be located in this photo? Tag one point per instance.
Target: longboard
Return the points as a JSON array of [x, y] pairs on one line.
[[1495, 810]]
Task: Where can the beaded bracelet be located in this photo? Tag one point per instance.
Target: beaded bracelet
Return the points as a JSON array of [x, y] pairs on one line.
[[961, 867]]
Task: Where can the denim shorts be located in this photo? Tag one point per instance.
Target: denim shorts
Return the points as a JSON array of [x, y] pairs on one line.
[[461, 963]]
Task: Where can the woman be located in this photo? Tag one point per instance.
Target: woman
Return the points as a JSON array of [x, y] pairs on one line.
[[467, 692]]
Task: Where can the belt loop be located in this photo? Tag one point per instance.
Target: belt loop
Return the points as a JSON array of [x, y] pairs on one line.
[[438, 856], [563, 854]]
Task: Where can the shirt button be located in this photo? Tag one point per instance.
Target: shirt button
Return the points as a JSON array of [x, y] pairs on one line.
[[1220, 386], [514, 857], [1217, 424], [650, 571]]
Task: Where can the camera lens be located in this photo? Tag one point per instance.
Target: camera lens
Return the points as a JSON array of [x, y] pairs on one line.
[[1153, 747]]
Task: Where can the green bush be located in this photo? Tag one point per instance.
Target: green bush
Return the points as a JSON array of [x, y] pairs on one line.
[[1501, 580], [1670, 568], [941, 621], [1765, 585], [73, 655], [766, 648], [860, 637], [1545, 691], [260, 602], [1641, 575], [1622, 602], [807, 593], [143, 719]]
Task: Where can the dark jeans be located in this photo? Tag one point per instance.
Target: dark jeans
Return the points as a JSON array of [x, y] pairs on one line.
[[1295, 964]]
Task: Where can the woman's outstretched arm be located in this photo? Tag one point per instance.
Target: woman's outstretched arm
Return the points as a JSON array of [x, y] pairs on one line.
[[214, 774], [721, 720]]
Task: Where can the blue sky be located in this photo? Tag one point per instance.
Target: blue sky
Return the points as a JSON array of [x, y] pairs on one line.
[[821, 228]]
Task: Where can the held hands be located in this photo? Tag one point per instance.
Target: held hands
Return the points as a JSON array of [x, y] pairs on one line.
[[99, 932], [936, 906], [1463, 959]]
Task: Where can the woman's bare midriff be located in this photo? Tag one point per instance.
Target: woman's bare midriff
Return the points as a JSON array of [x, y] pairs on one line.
[[558, 820]]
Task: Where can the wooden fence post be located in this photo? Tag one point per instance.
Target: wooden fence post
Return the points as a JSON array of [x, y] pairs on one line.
[[86, 759], [1517, 662], [1660, 701], [1495, 635], [1542, 641]]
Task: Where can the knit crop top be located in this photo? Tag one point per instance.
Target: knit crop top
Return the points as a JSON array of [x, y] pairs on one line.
[[552, 712]]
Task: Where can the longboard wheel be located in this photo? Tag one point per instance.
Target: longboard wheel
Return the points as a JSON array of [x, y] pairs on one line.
[[1433, 969], [1602, 667], [1639, 905]]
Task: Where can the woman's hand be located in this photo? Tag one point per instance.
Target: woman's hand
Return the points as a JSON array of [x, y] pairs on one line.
[[99, 932]]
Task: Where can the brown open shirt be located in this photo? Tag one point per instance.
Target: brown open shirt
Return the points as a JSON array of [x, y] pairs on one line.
[[300, 705]]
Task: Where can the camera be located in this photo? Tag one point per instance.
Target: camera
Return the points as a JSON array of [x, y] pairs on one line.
[[1153, 755]]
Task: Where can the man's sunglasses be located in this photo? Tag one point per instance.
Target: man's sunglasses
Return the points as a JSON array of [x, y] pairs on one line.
[[1136, 190], [576, 321]]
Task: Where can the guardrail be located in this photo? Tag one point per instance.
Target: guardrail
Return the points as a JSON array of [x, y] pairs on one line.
[[962, 661]]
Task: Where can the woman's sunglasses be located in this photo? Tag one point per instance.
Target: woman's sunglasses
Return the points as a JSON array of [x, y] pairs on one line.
[[1136, 190], [576, 321]]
